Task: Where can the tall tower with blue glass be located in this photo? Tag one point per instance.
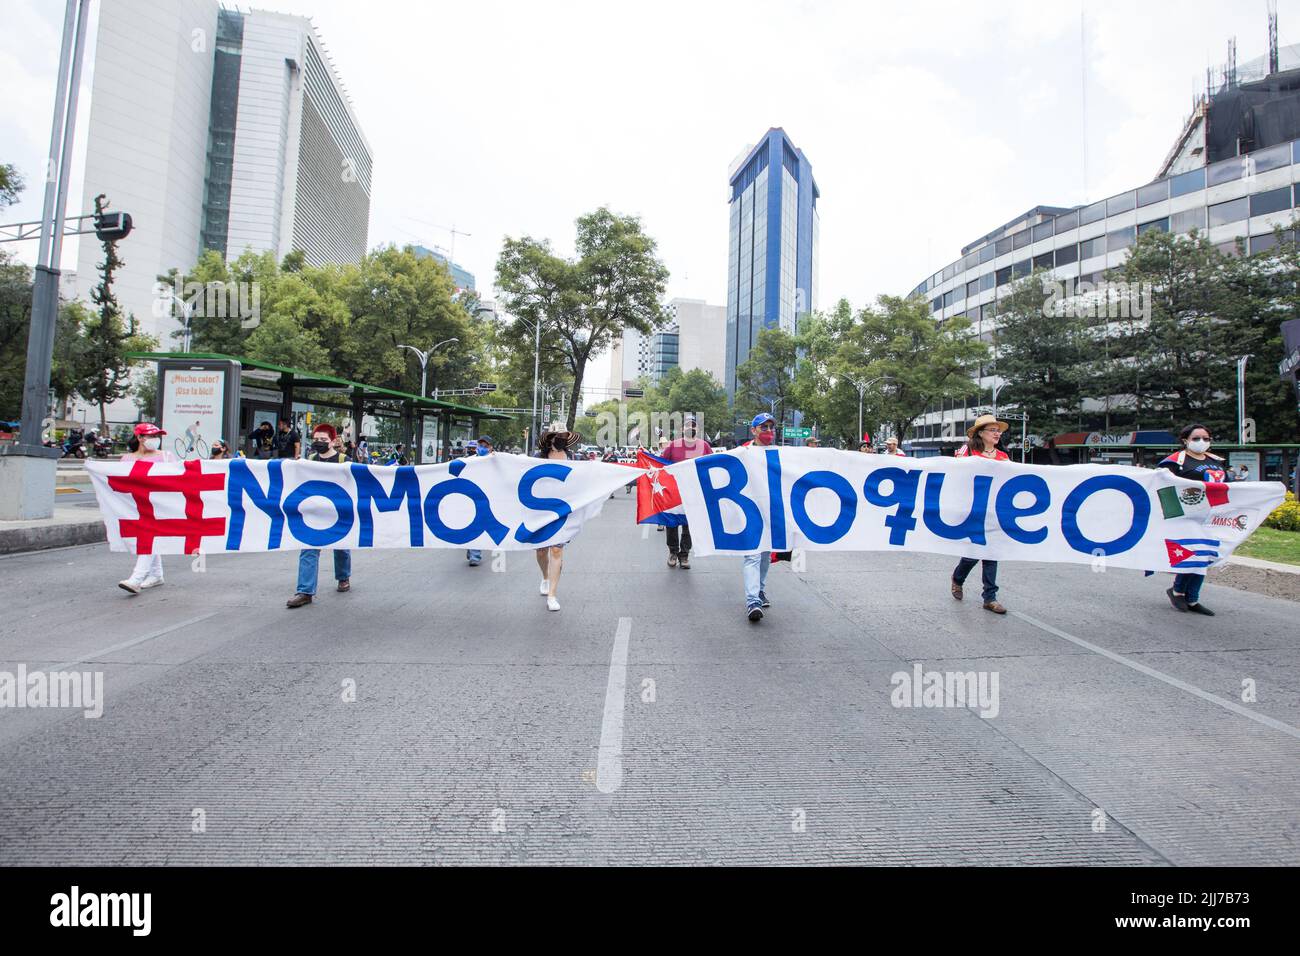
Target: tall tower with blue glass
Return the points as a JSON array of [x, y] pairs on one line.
[[772, 246]]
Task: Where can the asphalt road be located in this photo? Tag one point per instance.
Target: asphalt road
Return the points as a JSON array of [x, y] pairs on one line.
[[646, 722]]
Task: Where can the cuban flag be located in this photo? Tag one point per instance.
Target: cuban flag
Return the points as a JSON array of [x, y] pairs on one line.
[[657, 499], [1192, 552]]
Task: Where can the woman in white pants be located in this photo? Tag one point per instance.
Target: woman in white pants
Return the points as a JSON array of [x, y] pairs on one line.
[[145, 445]]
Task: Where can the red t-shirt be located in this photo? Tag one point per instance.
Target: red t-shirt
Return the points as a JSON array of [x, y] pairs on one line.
[[684, 449], [963, 451]]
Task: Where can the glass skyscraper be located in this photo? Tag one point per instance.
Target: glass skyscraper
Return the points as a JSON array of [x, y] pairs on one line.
[[772, 245]]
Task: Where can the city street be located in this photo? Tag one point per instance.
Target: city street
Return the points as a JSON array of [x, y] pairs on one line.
[[648, 721]]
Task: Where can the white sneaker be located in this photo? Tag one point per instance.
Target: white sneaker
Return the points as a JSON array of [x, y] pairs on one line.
[[130, 584], [151, 582], [546, 587], [552, 604]]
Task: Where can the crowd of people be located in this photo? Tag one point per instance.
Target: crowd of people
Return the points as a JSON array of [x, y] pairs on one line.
[[1194, 461]]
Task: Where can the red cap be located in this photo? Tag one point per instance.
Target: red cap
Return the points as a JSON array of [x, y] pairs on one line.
[[148, 430], [325, 427]]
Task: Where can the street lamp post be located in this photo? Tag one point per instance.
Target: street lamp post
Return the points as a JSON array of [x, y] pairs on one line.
[[862, 392], [997, 390], [424, 372], [1241, 398]]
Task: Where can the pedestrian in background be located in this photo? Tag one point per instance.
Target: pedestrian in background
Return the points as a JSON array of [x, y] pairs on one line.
[[1197, 464], [145, 444], [891, 447], [981, 442], [288, 443], [323, 437]]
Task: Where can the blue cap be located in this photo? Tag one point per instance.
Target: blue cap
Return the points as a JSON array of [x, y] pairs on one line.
[[760, 418]]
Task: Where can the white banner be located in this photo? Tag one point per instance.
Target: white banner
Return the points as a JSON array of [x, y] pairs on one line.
[[747, 500], [757, 499], [494, 502]]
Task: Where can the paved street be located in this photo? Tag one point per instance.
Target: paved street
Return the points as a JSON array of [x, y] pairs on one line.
[[476, 733]]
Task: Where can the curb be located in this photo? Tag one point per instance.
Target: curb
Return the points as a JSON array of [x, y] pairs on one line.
[[17, 540], [1252, 577]]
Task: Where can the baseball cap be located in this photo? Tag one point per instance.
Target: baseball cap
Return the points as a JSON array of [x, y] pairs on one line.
[[760, 418], [148, 430], [486, 440]]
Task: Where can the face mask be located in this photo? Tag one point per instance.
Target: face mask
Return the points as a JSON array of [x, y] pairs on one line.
[[484, 450], [320, 447], [1199, 445], [766, 436], [152, 444]]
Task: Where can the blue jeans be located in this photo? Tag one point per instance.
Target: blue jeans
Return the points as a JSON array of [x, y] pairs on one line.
[[473, 554], [1189, 585], [309, 567], [755, 570], [989, 574]]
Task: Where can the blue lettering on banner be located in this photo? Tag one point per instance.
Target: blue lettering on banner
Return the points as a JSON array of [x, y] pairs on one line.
[[319, 537], [903, 488], [1086, 489], [240, 482], [746, 539], [1009, 515], [529, 500], [406, 486], [972, 526], [484, 520], [775, 498], [823, 534]]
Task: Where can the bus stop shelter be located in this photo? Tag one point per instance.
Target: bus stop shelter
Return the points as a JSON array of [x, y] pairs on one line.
[[229, 395]]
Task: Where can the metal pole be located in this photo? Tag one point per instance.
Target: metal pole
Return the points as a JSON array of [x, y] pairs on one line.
[[1024, 422], [1241, 399], [45, 284], [860, 399], [537, 365]]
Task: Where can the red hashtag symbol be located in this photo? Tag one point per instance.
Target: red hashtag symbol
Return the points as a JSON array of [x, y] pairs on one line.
[[139, 484]]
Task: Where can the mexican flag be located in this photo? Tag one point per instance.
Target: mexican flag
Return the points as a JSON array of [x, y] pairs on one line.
[[1174, 500]]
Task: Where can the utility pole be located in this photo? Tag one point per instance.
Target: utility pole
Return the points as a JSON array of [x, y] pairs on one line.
[[27, 468]]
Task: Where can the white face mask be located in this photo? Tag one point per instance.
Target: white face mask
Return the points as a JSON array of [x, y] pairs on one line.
[[1199, 445], [152, 444]]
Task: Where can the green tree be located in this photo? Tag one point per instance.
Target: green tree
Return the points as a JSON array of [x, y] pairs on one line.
[[144, 393], [11, 184], [918, 359], [585, 305], [823, 385], [1044, 351], [698, 393], [109, 336], [764, 381]]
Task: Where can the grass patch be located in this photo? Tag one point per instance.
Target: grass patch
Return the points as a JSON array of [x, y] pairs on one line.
[[1269, 544]]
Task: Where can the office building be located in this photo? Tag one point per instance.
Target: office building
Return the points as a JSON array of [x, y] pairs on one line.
[[461, 277], [218, 129], [772, 246]]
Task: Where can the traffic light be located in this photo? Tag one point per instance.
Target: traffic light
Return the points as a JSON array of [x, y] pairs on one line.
[[112, 226]]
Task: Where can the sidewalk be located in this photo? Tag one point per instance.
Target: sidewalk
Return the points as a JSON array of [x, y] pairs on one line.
[[1259, 577], [71, 524]]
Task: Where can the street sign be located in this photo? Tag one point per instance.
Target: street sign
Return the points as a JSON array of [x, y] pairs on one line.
[[791, 432], [487, 386], [634, 393]]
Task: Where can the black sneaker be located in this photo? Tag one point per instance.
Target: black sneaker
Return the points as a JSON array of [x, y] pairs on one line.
[[1177, 600], [1200, 609], [755, 613], [762, 599]]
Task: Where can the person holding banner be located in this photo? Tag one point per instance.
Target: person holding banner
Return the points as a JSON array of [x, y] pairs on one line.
[[1196, 463], [322, 449], [982, 442], [755, 566], [555, 446], [483, 448], [146, 445], [683, 449]]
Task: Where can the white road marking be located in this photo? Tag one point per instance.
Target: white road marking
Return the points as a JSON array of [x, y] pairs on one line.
[[134, 641], [1158, 675], [609, 765]]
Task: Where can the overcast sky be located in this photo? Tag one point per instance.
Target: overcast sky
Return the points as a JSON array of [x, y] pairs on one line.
[[927, 124]]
